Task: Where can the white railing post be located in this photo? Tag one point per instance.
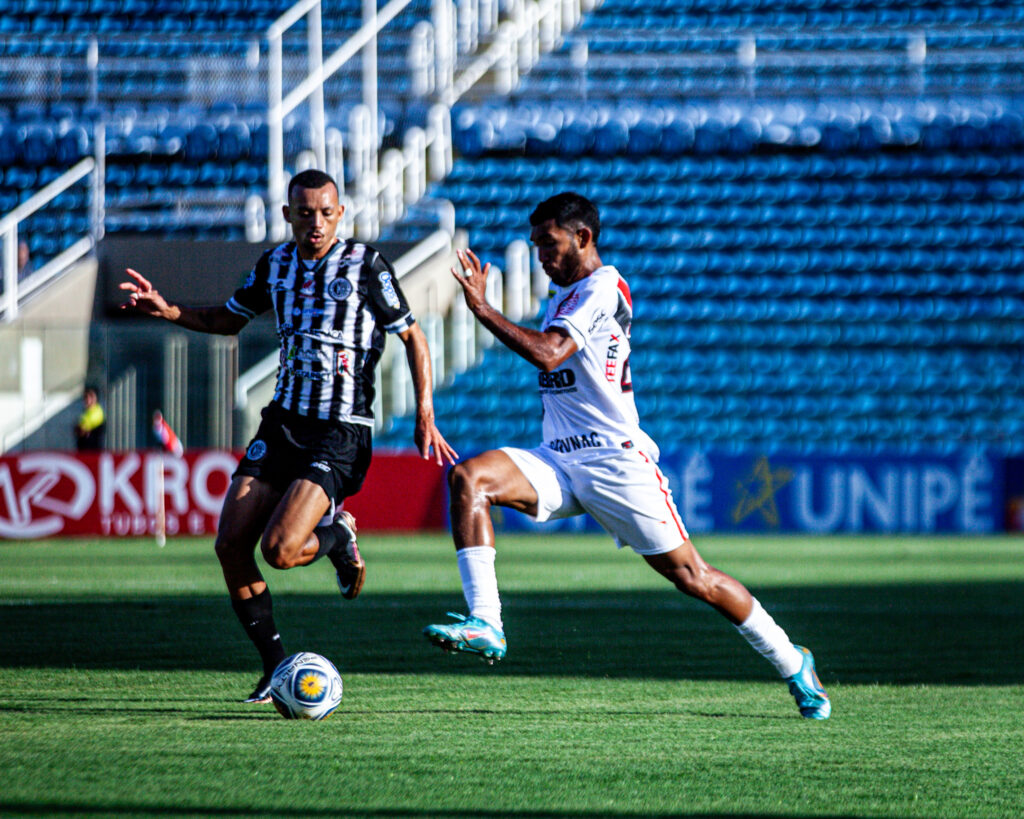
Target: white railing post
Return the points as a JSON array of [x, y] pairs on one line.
[[392, 177], [9, 305], [421, 59], [275, 134], [347, 226], [506, 73], [414, 157], [439, 138], [315, 61], [463, 346], [433, 329], [335, 165], [517, 280], [98, 205], [541, 284], [369, 63], [468, 37], [359, 138], [495, 296], [255, 218], [442, 14], [549, 26], [488, 16], [401, 389]]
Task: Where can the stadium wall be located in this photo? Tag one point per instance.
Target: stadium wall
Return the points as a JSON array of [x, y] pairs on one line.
[[45, 494]]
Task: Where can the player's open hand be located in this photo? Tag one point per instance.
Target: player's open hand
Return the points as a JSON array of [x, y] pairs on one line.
[[472, 277], [143, 296], [429, 437]]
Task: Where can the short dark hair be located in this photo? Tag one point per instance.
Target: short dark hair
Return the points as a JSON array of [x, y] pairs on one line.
[[569, 210], [311, 179]]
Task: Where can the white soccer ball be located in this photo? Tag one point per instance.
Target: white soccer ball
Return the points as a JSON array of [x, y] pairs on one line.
[[306, 686]]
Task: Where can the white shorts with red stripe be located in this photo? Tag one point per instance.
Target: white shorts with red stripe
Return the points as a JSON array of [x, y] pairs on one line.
[[623, 490]]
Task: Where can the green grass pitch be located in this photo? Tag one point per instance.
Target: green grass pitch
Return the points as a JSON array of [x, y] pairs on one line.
[[122, 667]]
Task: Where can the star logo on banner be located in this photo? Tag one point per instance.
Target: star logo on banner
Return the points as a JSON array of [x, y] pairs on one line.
[[756, 492]]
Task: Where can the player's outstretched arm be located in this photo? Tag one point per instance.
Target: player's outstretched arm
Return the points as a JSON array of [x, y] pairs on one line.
[[545, 350], [146, 299], [428, 436]]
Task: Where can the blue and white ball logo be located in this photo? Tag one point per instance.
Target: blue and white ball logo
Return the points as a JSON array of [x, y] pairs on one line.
[[339, 289], [257, 449]]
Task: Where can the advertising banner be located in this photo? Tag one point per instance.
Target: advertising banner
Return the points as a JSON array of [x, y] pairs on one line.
[[46, 494], [818, 494]]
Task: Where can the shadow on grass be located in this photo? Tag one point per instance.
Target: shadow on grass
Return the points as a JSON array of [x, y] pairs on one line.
[[969, 634]]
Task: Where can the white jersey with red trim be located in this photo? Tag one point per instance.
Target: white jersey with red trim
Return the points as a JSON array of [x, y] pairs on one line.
[[588, 401]]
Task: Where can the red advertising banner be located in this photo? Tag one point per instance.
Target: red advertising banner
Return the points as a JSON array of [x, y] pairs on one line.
[[46, 494]]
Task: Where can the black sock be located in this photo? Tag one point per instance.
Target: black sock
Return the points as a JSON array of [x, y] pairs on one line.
[[331, 537], [257, 618]]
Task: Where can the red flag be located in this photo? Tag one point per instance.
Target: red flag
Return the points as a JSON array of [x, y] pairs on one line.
[[166, 435]]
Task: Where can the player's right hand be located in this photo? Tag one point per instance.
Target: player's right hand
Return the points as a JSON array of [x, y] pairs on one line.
[[142, 295], [473, 278]]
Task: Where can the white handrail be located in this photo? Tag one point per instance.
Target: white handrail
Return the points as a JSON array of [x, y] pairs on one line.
[[9, 237], [320, 70], [47, 192]]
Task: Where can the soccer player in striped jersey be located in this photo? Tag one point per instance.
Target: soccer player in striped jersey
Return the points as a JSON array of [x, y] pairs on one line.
[[595, 457], [334, 300]]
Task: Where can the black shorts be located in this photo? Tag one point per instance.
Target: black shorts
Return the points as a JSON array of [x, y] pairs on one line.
[[290, 447]]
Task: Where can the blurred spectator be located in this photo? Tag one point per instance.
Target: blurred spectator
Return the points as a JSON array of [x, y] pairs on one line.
[[24, 260], [92, 422]]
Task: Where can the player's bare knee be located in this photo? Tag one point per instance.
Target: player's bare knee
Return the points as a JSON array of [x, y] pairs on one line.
[[279, 550], [465, 483]]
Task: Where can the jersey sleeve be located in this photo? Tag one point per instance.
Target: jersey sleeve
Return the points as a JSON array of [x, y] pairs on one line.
[[385, 297], [583, 310], [253, 297]]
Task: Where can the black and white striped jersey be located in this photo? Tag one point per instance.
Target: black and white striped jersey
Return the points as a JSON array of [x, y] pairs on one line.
[[331, 319]]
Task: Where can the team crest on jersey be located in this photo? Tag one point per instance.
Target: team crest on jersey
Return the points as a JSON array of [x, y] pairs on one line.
[[387, 289], [343, 363], [339, 289], [257, 449], [568, 306]]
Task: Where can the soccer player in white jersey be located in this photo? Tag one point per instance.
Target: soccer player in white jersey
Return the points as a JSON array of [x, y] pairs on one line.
[[333, 301], [595, 457]]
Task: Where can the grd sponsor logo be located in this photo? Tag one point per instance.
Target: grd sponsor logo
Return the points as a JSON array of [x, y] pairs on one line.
[[557, 380]]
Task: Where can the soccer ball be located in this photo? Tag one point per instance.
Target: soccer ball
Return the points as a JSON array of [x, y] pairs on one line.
[[305, 686]]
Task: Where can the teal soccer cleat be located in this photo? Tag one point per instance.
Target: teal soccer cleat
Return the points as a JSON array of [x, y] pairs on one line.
[[469, 634], [806, 689]]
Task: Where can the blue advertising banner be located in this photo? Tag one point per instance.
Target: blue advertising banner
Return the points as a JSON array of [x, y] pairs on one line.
[[819, 494]]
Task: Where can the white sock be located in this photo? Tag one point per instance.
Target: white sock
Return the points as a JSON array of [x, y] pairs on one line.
[[480, 583], [770, 641]]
